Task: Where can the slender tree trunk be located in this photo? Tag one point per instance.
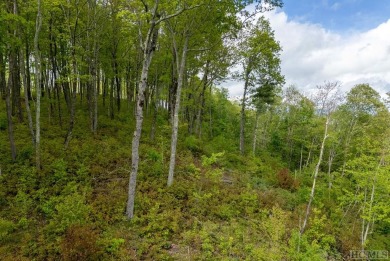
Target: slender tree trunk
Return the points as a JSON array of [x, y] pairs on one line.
[[301, 160], [38, 88], [28, 74], [95, 98], [172, 90], [316, 175], [366, 227], [175, 123], [310, 150], [26, 99], [332, 153], [111, 114], [3, 82], [73, 98], [149, 47], [155, 109], [105, 83], [57, 89], [9, 112], [202, 100], [16, 100], [118, 87], [14, 72], [243, 103], [255, 133], [129, 95]]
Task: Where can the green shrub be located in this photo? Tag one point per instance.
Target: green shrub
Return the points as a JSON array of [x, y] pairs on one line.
[[213, 159], [68, 210], [80, 243], [114, 244], [6, 228], [193, 144], [3, 123], [301, 249], [59, 168]]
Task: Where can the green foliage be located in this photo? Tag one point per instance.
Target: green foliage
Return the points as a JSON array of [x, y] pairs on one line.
[[223, 205], [59, 168], [300, 248], [193, 144], [80, 243], [3, 122], [114, 244], [6, 229], [67, 210], [213, 159]]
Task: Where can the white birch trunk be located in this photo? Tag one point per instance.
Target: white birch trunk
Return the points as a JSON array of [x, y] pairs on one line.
[[243, 103], [148, 46], [175, 123], [316, 175]]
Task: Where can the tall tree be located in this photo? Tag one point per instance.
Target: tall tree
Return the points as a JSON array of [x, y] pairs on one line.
[[38, 87], [259, 54], [327, 100], [149, 43], [180, 66]]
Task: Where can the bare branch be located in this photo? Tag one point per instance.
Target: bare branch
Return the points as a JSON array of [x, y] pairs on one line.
[[176, 14], [145, 5]]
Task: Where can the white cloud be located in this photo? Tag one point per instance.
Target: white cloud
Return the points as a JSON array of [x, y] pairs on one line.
[[311, 55], [335, 6]]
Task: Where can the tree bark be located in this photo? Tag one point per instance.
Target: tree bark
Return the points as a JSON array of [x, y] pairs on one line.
[[28, 74], [26, 98], [316, 175], [155, 108], [202, 100], [38, 88], [148, 50], [243, 103], [9, 113], [175, 123], [255, 132], [3, 82], [148, 46]]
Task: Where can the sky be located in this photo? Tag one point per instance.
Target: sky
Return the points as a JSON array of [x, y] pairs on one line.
[[332, 40]]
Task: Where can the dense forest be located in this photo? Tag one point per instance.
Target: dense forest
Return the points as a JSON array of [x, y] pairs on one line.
[[118, 140]]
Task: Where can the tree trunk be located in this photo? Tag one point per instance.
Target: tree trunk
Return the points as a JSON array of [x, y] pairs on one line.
[[175, 123], [28, 74], [148, 49], [9, 113], [14, 71], [72, 101], [255, 133], [366, 227], [56, 86], [310, 150], [104, 91], [16, 100], [332, 154], [111, 110], [155, 109], [3, 82], [172, 90], [38, 88], [316, 175], [26, 98], [96, 98], [202, 101], [243, 103]]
